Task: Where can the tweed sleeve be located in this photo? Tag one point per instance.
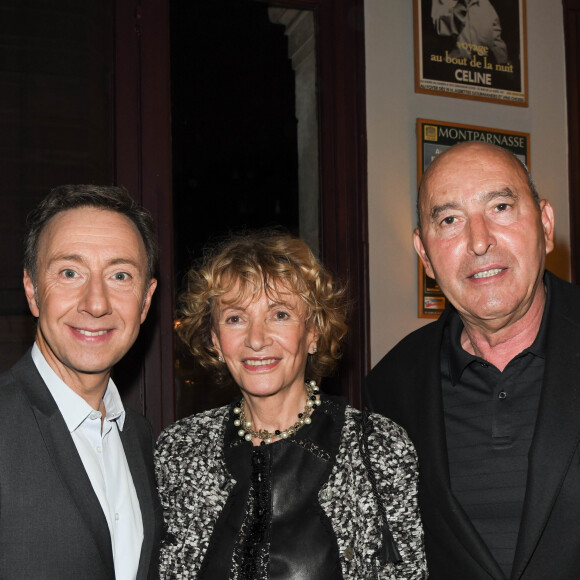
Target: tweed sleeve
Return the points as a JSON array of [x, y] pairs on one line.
[[370, 484], [394, 462], [193, 487]]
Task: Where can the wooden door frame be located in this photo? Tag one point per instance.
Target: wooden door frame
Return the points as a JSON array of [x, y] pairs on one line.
[[572, 46], [143, 165]]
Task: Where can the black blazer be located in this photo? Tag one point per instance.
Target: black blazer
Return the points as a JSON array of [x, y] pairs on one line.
[[52, 525], [406, 386]]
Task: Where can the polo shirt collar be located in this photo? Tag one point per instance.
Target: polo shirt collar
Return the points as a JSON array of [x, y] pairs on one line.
[[460, 358]]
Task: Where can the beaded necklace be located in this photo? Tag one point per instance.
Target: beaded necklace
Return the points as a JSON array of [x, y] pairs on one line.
[[304, 418]]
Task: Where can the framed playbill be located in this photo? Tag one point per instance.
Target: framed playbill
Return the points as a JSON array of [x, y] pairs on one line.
[[472, 49], [434, 137]]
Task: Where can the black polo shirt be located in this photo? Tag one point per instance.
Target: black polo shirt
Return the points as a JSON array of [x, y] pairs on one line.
[[489, 421]]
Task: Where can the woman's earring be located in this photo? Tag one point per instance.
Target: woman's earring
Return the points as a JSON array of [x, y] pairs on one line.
[[314, 350], [220, 359]]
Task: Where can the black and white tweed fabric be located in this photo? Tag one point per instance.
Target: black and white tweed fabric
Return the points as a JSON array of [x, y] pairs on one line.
[[194, 486]]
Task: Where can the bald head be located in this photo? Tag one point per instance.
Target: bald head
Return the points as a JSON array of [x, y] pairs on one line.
[[466, 153], [484, 235]]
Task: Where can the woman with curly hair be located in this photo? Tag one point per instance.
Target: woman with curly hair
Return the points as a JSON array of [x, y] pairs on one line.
[[285, 483]]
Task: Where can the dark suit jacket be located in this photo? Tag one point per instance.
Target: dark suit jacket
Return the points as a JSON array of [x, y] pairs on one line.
[[406, 386], [51, 523]]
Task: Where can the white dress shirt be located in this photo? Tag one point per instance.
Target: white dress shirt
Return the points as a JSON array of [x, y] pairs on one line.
[[103, 457]]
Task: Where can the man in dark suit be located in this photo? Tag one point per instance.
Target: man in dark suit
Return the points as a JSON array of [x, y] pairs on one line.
[[489, 393], [77, 491]]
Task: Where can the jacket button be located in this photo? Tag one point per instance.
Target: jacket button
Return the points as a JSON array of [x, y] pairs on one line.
[[325, 495], [349, 553]]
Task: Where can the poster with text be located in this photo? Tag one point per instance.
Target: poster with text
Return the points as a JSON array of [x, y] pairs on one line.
[[471, 49], [434, 137]]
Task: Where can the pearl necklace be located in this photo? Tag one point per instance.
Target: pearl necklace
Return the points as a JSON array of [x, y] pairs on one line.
[[266, 437]]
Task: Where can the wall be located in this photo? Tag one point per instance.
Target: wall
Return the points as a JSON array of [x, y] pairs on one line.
[[392, 110]]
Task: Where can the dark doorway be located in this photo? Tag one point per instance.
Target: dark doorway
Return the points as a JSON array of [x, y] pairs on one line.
[[234, 143], [143, 157]]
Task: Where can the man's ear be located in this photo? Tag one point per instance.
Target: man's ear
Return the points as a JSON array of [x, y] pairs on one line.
[[420, 249], [30, 291], [147, 299], [548, 221]]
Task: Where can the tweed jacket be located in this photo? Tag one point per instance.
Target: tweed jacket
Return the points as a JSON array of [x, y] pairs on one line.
[[194, 485]]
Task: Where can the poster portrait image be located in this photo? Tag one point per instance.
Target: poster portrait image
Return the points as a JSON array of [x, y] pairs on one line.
[[471, 49]]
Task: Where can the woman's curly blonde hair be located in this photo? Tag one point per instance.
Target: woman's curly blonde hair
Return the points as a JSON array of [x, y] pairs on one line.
[[263, 261]]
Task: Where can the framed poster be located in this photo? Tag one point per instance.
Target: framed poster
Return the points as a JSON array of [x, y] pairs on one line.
[[434, 137], [472, 49]]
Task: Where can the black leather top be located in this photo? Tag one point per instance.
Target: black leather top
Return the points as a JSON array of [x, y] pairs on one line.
[[272, 526]]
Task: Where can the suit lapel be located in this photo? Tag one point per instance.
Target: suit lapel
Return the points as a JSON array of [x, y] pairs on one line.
[[64, 456], [557, 431], [430, 440]]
